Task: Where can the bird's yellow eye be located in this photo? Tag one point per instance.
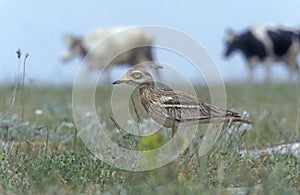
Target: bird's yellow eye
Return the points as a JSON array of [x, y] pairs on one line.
[[137, 75]]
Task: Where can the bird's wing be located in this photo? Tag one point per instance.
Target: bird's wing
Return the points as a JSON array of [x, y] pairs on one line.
[[185, 108]]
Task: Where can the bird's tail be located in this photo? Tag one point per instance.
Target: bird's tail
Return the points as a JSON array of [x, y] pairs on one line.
[[226, 120], [235, 117], [220, 119]]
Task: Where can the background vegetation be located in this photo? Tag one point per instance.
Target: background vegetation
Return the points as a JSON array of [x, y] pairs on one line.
[[42, 152]]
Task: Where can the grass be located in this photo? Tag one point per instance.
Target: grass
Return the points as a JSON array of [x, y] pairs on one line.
[[47, 156]]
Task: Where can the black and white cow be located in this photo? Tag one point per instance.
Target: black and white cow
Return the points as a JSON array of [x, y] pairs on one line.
[[111, 46], [266, 44]]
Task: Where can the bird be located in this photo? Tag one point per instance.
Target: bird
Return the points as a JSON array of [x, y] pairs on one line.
[[172, 108]]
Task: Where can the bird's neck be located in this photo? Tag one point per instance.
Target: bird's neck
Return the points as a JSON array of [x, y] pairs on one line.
[[149, 86], [146, 92]]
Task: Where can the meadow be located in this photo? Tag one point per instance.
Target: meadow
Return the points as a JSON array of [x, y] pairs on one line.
[[41, 152]]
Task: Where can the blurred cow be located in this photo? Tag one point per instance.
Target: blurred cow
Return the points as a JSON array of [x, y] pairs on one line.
[[111, 46], [266, 44]]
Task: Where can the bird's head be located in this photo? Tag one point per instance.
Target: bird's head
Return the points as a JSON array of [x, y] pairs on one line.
[[135, 77]]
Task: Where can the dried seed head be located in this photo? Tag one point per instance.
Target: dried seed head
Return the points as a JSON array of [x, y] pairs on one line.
[[19, 53]]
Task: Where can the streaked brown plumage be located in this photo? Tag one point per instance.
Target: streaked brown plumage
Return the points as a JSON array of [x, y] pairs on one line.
[[171, 108]]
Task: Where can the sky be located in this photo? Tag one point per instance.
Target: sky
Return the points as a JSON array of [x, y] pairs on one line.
[[38, 27]]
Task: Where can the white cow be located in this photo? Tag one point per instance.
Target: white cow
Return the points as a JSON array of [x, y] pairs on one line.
[[111, 46]]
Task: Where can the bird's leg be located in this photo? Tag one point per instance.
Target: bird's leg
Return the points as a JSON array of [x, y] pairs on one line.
[[174, 126]]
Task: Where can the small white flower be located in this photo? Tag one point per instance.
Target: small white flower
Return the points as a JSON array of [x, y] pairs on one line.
[[88, 114], [38, 112], [69, 125], [14, 117]]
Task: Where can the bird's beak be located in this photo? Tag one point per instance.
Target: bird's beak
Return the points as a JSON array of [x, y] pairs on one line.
[[123, 80]]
